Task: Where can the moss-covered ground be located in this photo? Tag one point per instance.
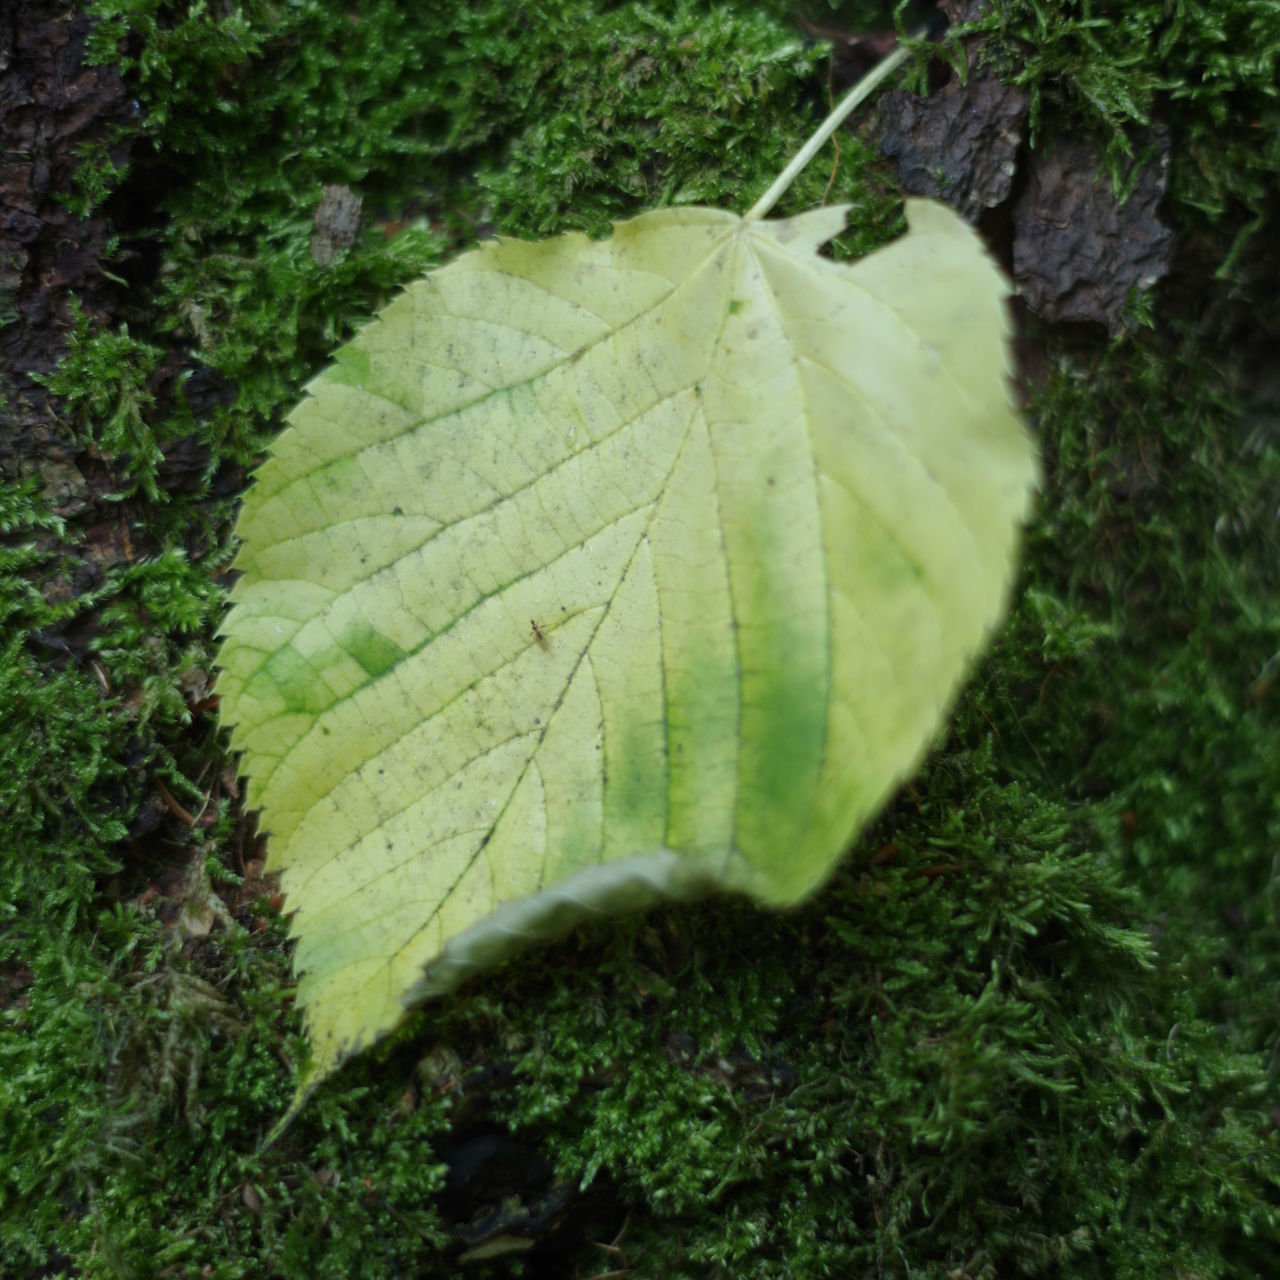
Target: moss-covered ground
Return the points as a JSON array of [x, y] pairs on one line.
[[1031, 1028]]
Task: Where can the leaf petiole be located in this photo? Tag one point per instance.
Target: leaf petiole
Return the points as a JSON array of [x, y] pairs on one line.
[[858, 94]]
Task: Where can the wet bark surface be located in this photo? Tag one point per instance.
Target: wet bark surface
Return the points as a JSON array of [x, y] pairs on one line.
[[959, 145], [1079, 251], [56, 113]]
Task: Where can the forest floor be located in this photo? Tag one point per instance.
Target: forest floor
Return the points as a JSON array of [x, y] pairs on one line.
[[1031, 1027]]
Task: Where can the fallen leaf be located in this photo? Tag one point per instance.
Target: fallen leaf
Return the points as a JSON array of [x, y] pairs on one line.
[[594, 573], [763, 508]]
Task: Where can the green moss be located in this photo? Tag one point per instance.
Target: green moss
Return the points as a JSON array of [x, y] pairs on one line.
[[60, 765], [1161, 552], [102, 386], [670, 85], [959, 1057], [1205, 71], [1030, 1029]]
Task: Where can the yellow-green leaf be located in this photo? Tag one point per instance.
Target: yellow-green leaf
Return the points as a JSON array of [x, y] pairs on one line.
[[593, 573]]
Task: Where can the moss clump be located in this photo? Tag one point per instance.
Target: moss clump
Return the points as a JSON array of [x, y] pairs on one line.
[[59, 777], [1031, 1029], [959, 1059], [1206, 72]]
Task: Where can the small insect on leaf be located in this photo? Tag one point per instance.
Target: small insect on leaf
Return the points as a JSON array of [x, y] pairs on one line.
[[538, 633]]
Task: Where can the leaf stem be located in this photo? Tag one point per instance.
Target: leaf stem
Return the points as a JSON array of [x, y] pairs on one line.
[[859, 93]]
